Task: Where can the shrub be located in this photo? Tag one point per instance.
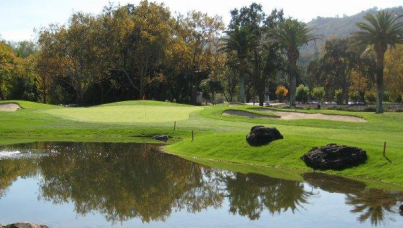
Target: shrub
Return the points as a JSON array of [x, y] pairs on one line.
[[281, 93], [354, 96], [302, 93], [370, 97], [318, 93], [338, 96]]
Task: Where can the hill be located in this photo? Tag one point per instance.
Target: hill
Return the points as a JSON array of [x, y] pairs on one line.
[[336, 26]]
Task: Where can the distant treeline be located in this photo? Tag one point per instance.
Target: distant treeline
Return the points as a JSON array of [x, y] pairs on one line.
[[145, 51]]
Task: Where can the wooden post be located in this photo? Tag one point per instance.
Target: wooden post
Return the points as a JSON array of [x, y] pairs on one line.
[[193, 136], [384, 149], [174, 125]]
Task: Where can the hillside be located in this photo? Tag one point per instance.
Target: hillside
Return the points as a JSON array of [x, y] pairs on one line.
[[338, 27]]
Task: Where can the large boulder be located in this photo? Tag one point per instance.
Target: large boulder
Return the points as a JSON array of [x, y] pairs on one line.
[[261, 135], [334, 157]]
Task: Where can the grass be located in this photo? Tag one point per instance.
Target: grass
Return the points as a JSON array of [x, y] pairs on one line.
[[219, 140], [127, 112]]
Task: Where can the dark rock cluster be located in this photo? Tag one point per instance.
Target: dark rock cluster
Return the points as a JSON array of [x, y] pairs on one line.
[[333, 156], [163, 138], [261, 135]]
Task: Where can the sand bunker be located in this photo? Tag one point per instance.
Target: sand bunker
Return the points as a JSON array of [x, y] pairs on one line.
[[316, 116], [294, 115], [10, 107], [247, 114]]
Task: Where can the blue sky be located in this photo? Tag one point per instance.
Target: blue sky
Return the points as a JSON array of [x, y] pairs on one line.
[[19, 18]]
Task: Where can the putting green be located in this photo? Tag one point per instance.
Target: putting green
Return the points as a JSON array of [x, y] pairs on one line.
[[126, 113]]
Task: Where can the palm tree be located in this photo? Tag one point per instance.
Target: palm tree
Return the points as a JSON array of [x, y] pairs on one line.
[[240, 40], [290, 35], [380, 31]]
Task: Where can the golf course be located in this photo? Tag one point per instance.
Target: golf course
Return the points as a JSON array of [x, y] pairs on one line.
[[219, 140]]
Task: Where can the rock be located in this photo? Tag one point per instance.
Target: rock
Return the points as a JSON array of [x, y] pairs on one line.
[[26, 225], [261, 135], [401, 208], [334, 157], [163, 138]]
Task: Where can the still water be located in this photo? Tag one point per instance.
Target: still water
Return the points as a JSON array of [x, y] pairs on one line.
[[135, 185]]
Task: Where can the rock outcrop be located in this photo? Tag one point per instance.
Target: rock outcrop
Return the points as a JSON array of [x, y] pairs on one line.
[[261, 135], [334, 157]]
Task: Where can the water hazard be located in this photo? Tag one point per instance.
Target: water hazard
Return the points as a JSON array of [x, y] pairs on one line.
[[135, 185]]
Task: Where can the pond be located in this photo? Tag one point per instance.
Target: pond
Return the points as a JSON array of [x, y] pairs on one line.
[[135, 185]]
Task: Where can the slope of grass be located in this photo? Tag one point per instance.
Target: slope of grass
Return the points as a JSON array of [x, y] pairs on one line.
[[217, 137]]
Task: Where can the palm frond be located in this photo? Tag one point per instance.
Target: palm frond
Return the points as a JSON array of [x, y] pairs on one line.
[[382, 29]]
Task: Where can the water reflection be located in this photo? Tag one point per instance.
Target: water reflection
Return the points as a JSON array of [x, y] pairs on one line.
[[249, 195], [125, 181], [121, 183], [375, 205]]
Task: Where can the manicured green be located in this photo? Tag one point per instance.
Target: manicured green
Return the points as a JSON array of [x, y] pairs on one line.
[[126, 112], [219, 140]]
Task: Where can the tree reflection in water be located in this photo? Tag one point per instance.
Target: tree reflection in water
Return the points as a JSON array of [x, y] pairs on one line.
[[374, 205], [125, 181], [250, 194]]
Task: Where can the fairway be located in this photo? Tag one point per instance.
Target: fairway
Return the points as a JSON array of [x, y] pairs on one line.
[[217, 137], [125, 113]]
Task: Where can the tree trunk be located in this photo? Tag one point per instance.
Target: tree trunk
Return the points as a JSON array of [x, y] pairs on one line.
[[44, 98], [141, 92], [242, 80], [293, 55], [213, 96], [379, 81], [1, 94], [261, 98], [345, 93], [293, 83]]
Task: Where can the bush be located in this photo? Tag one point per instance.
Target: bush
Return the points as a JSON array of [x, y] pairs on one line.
[[302, 93], [354, 96], [318, 93], [338, 96], [370, 97], [281, 93]]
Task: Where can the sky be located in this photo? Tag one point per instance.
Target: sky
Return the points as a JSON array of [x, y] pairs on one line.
[[19, 18]]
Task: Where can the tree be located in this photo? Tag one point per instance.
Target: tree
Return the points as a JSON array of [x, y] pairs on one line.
[[380, 31], [267, 57], [337, 64], [394, 72], [199, 32], [7, 60], [318, 93], [290, 35], [242, 41], [212, 86]]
